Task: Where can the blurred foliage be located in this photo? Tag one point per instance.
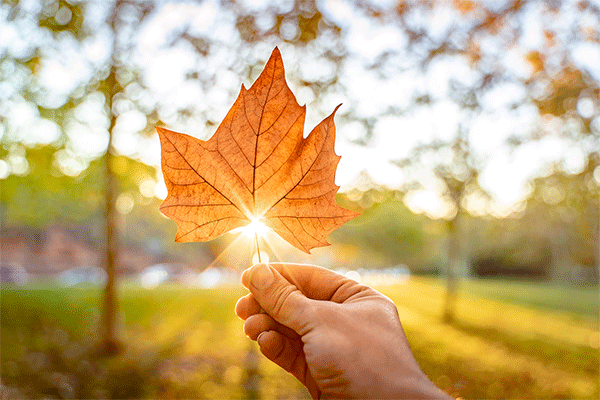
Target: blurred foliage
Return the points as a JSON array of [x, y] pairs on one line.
[[555, 234], [564, 210], [563, 92], [62, 16], [387, 232], [45, 197]]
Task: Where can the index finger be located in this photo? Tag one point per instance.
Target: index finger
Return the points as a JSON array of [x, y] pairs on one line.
[[316, 282]]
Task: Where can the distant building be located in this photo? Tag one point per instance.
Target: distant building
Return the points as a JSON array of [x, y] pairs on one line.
[[56, 249]]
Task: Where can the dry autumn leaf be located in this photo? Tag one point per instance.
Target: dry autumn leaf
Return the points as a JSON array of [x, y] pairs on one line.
[[256, 167]]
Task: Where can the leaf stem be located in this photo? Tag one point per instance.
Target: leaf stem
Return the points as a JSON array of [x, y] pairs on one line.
[[257, 248]]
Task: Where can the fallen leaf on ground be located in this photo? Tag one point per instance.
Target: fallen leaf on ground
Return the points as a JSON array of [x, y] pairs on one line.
[[256, 167]]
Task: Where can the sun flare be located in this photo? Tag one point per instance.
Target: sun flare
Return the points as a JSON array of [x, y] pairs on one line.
[[255, 227]]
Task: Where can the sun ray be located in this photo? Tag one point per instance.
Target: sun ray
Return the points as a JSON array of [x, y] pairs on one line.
[[218, 258]]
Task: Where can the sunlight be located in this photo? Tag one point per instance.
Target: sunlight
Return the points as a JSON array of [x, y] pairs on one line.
[[255, 227]]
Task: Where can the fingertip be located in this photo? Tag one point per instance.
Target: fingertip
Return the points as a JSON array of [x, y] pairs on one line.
[[239, 307], [250, 330], [247, 306], [257, 324], [246, 275], [245, 278], [270, 343], [261, 277]]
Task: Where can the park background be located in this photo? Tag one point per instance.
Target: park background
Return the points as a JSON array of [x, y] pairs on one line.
[[470, 140]]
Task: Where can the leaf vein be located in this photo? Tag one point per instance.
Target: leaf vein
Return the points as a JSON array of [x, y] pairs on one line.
[[197, 173]]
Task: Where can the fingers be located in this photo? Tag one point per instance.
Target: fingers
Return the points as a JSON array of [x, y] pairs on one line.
[[316, 282], [259, 323], [288, 354], [276, 341], [278, 297]]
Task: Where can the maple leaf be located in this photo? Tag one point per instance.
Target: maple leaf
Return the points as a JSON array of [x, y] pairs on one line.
[[256, 167]]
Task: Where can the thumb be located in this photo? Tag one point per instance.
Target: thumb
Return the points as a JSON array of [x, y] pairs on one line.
[[278, 297]]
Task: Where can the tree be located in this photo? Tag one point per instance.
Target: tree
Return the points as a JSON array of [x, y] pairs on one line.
[[66, 23], [455, 169], [563, 213]]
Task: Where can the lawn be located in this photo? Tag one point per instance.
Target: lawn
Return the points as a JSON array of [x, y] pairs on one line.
[[504, 344], [511, 340]]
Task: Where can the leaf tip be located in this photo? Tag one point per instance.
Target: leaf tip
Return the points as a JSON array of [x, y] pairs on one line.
[[162, 132], [275, 55]]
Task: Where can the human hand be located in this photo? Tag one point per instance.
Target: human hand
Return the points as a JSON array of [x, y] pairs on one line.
[[339, 338]]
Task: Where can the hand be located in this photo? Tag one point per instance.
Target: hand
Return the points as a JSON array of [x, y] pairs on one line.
[[339, 338]]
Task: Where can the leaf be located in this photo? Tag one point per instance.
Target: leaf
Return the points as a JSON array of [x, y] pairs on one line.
[[257, 166]]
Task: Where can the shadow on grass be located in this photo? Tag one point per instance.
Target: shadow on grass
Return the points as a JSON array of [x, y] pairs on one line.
[[576, 359], [459, 379], [54, 366]]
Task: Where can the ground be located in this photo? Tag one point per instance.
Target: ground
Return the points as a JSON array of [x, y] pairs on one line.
[[510, 340]]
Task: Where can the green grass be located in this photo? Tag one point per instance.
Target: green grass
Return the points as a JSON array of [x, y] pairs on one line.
[[510, 340], [504, 347], [583, 301], [179, 342]]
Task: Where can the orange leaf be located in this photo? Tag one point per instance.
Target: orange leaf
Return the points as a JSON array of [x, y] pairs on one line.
[[257, 166]]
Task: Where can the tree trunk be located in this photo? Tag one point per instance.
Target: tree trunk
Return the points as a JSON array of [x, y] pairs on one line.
[[252, 378], [595, 239], [110, 344], [561, 263], [452, 270], [110, 341]]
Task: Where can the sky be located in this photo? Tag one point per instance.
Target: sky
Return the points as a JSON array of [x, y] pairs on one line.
[[365, 94]]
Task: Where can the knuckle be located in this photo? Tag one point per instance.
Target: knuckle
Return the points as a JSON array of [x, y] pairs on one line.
[[388, 303], [283, 299], [324, 313]]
